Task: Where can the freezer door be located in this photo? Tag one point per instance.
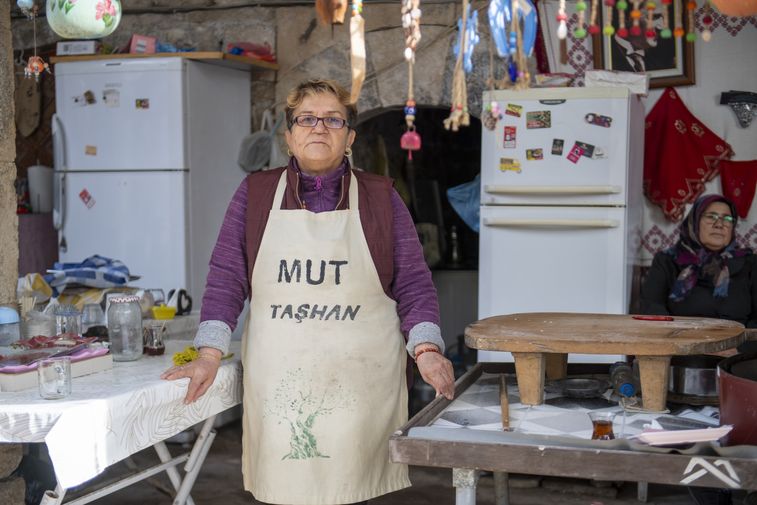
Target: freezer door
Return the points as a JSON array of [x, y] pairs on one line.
[[138, 218], [121, 115], [552, 259], [526, 159]]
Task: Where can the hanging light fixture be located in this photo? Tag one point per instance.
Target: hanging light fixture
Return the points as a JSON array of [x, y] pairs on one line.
[[737, 8], [83, 19]]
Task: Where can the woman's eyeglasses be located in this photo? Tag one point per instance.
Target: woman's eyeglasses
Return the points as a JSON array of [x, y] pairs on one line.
[[330, 122], [714, 217]]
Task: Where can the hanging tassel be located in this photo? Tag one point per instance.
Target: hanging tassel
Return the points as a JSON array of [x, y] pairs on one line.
[[331, 12], [357, 50]]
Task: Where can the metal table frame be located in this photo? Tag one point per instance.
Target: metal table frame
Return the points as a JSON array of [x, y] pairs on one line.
[[467, 458], [194, 460]]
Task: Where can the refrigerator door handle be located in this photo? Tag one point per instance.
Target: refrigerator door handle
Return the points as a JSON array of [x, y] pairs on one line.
[[551, 223], [552, 190], [59, 179]]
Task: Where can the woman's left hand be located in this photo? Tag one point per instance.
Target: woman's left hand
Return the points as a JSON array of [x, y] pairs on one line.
[[437, 371]]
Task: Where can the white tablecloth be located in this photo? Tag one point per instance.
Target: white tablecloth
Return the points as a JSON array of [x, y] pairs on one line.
[[111, 415]]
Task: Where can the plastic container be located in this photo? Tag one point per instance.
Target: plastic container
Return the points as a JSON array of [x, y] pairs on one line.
[[125, 328], [621, 376], [163, 312], [9, 326], [40, 188]]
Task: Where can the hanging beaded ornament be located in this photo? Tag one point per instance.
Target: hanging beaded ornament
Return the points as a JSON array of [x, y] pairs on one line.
[[666, 33], [580, 31], [707, 22], [593, 26], [411, 23], [678, 30], [691, 6], [609, 30], [562, 20], [523, 76], [459, 113], [635, 18], [35, 65], [622, 6], [650, 33]]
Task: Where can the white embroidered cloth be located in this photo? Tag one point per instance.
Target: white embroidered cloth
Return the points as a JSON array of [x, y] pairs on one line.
[[113, 414]]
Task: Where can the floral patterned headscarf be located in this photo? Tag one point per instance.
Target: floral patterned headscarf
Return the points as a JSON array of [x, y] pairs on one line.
[[697, 261]]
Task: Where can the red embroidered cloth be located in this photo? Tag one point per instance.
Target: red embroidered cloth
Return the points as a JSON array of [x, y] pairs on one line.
[[680, 155], [739, 180]]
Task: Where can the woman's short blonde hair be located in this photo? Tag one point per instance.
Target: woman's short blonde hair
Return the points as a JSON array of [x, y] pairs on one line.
[[317, 86]]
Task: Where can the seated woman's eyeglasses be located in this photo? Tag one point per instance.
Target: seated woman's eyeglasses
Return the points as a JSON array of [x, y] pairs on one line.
[[330, 122], [714, 217]]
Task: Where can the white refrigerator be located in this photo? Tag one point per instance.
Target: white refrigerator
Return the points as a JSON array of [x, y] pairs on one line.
[[145, 163], [560, 203]]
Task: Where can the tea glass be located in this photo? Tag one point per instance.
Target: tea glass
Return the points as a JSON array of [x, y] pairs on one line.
[[602, 425], [54, 376]]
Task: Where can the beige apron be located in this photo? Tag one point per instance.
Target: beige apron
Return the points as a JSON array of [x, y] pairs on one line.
[[324, 364]]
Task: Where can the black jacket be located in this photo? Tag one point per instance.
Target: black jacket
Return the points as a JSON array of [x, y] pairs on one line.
[[740, 304]]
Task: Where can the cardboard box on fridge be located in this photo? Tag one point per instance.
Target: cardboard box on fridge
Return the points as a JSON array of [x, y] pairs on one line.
[[10, 382], [142, 44]]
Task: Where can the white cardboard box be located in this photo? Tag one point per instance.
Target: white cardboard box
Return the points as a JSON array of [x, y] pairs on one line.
[[10, 382], [73, 47]]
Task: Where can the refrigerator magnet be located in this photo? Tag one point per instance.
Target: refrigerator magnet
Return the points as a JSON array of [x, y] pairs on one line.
[[538, 119], [534, 154], [509, 165], [86, 197], [557, 146], [575, 153], [514, 110], [509, 139], [112, 98], [598, 119], [90, 150], [142, 103]]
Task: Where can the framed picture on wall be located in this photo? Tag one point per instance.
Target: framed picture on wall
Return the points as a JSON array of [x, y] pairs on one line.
[[669, 62]]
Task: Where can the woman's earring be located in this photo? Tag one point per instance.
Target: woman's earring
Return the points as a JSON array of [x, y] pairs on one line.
[[289, 152], [348, 151]]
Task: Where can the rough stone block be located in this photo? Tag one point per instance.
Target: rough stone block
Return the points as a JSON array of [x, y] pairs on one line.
[[10, 458], [12, 491]]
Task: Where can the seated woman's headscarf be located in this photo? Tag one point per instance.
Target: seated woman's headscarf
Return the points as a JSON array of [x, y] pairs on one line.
[[697, 261]]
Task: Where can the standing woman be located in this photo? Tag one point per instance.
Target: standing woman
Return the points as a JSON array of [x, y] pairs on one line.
[[705, 274], [339, 295]]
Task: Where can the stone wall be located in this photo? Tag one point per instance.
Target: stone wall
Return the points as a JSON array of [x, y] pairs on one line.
[[306, 49], [8, 221]]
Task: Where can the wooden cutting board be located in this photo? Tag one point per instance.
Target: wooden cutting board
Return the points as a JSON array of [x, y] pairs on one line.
[[555, 332]]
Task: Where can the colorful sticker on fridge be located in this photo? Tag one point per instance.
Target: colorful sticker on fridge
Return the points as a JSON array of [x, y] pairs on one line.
[[534, 154], [90, 150], [514, 110], [599, 120], [590, 151], [510, 132], [85, 197], [557, 146], [539, 119], [112, 97], [575, 153], [142, 103], [509, 165]]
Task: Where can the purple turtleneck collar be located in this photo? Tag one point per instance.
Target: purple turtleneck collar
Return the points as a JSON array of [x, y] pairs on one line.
[[321, 192]]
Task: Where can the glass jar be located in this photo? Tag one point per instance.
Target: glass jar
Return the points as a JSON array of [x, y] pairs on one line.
[[67, 321], [125, 328]]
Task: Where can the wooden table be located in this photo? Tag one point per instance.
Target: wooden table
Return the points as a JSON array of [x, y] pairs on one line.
[[541, 341]]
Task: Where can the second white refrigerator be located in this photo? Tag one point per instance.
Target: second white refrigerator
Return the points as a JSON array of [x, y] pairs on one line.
[[560, 195]]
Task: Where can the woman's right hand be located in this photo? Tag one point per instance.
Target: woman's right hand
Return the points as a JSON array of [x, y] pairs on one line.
[[201, 373]]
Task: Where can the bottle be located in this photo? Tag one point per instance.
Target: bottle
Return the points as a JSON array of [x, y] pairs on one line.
[[621, 376], [455, 254], [125, 328]]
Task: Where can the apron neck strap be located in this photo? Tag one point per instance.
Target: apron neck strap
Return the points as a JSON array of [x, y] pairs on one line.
[[278, 197]]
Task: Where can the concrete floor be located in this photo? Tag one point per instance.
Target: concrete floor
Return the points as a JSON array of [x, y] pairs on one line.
[[220, 482]]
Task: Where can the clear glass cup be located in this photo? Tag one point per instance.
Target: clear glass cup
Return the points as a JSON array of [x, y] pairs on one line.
[[54, 377], [601, 423], [92, 315], [67, 320]]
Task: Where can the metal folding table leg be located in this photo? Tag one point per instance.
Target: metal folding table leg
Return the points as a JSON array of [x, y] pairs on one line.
[[196, 459], [501, 489], [173, 473], [465, 480]]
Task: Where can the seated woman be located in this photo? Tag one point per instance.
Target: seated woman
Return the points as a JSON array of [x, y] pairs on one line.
[[705, 274]]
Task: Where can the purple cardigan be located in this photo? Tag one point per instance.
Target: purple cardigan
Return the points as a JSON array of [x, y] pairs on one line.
[[227, 285]]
